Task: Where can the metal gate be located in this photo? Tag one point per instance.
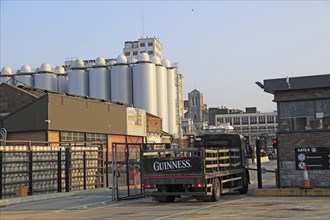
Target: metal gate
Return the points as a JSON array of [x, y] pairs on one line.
[[126, 175]]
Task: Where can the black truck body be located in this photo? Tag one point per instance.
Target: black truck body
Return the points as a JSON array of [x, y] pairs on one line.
[[215, 165]]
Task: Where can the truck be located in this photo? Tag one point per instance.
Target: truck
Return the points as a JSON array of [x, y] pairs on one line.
[[213, 165]]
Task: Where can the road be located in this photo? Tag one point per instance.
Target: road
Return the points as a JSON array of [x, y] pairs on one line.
[[231, 206]]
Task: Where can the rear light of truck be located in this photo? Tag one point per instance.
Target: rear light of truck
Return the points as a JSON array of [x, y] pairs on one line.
[[149, 186], [199, 185]]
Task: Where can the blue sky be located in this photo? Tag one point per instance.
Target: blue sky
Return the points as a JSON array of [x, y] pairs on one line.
[[222, 47]]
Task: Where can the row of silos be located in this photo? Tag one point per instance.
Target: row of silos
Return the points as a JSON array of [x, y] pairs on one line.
[[145, 84], [42, 78]]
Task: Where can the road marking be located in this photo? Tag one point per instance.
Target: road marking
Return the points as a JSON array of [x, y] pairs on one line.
[[112, 205], [193, 210], [84, 208]]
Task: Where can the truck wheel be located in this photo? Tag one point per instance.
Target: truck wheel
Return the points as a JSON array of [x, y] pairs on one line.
[[164, 199], [216, 192], [170, 198], [245, 183]]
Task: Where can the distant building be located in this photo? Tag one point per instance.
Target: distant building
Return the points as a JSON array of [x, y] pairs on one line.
[[195, 113], [249, 122], [151, 46]]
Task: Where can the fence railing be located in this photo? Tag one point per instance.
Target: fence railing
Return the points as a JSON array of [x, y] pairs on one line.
[[50, 167]]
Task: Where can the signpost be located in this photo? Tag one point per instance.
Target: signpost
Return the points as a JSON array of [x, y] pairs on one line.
[[315, 158]]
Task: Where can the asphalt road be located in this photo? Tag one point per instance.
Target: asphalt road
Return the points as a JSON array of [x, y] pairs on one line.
[[231, 206]]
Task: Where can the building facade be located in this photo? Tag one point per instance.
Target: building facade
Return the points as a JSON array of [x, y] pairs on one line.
[[195, 113], [54, 117], [151, 46], [303, 105], [251, 122]]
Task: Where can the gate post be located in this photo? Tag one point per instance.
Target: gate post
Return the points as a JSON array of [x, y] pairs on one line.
[[1, 174], [67, 169], [84, 164], [258, 163], [59, 170], [114, 174], [107, 166], [30, 172]]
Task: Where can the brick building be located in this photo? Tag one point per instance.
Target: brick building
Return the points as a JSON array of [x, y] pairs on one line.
[[303, 106]]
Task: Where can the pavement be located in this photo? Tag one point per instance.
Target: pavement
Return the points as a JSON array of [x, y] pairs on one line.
[[317, 192], [16, 200], [268, 190]]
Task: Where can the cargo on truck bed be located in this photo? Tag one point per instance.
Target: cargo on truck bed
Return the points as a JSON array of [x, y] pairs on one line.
[[215, 165]]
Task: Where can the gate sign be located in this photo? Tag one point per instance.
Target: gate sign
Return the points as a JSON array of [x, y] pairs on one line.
[[315, 158]]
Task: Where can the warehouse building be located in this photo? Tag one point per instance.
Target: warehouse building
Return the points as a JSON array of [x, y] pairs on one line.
[[40, 115]]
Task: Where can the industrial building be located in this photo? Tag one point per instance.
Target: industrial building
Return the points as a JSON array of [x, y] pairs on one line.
[[39, 115], [303, 135], [147, 83]]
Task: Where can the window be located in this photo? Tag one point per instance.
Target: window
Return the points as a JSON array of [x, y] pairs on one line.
[[228, 120], [135, 53], [142, 44], [96, 137], [253, 119], [127, 53], [72, 136], [245, 120], [304, 115], [237, 120], [262, 119], [322, 114], [219, 120], [142, 51], [270, 119], [150, 52], [150, 44]]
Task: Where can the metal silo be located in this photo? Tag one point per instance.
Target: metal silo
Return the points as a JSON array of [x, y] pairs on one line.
[[78, 79], [144, 84], [62, 79], [121, 81], [171, 97], [24, 77], [45, 78], [99, 80], [111, 63], [6, 75], [162, 100]]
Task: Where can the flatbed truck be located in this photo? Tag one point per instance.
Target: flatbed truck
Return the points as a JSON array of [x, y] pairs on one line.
[[216, 164]]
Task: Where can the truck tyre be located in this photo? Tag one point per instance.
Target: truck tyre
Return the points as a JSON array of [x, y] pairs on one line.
[[245, 182], [163, 199], [216, 192], [170, 198]]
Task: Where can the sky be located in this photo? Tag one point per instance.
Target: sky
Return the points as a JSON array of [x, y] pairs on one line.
[[222, 47]]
